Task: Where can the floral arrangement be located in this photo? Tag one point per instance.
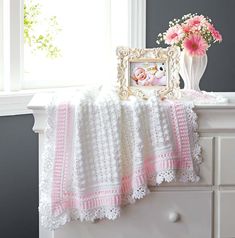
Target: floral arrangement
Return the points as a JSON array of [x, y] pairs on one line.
[[194, 33]]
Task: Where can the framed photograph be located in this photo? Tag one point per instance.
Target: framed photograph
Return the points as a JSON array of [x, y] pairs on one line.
[[142, 71]]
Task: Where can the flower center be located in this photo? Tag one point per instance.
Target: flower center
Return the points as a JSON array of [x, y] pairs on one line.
[[194, 46]]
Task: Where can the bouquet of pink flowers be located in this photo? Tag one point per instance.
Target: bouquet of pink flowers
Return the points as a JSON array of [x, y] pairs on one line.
[[194, 33]]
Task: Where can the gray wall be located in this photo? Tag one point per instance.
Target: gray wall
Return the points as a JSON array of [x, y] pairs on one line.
[[220, 72], [18, 178]]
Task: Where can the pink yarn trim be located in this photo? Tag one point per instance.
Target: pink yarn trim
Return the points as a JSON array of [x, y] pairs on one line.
[[59, 152], [64, 121]]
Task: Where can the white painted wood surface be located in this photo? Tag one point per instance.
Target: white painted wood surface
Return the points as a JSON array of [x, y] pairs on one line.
[[152, 217], [227, 214], [227, 160], [205, 209]]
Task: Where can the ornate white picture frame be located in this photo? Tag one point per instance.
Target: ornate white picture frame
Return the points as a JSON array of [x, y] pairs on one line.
[[142, 70]]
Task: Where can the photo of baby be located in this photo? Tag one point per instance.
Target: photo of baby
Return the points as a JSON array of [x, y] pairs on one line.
[[148, 74]]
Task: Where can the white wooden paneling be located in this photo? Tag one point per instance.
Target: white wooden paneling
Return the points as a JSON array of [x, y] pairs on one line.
[[206, 168], [153, 216], [226, 214], [218, 118], [227, 160]]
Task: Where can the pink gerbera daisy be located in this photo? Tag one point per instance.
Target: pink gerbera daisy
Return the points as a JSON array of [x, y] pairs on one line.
[[186, 28], [210, 27], [217, 36], [195, 45], [196, 21], [174, 35]]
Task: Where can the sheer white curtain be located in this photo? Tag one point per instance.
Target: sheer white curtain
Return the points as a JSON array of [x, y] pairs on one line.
[[91, 31]]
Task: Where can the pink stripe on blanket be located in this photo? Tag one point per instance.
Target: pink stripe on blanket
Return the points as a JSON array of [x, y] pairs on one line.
[[113, 196], [180, 131], [61, 163]]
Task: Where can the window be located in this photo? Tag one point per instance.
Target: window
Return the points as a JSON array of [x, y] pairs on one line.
[[56, 43], [1, 45]]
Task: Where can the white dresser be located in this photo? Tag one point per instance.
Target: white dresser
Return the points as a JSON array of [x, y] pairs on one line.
[[202, 210]]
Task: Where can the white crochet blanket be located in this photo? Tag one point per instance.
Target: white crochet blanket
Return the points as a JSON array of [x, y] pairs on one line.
[[101, 153]]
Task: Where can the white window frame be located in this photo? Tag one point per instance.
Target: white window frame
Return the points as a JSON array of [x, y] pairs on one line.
[[1, 46], [137, 23], [12, 85], [16, 43]]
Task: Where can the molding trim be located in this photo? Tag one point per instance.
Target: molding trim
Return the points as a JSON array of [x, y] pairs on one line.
[[137, 23], [220, 119], [15, 105]]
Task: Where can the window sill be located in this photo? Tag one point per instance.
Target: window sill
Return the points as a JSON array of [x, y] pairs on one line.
[[16, 103]]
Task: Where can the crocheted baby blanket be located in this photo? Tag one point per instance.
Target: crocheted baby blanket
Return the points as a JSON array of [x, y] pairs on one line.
[[101, 153]]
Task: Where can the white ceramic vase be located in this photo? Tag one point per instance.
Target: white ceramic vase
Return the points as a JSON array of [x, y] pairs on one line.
[[191, 69]]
